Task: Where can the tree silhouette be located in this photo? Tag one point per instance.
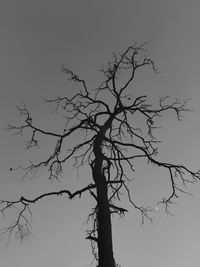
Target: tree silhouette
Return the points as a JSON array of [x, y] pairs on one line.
[[110, 140]]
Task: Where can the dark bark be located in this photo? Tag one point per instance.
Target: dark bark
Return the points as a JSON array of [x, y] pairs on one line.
[[104, 228]]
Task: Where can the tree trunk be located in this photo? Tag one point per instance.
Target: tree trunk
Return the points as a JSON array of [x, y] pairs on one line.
[[104, 227]]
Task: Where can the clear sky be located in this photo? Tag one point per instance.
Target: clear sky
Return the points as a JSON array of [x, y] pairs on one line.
[[37, 37]]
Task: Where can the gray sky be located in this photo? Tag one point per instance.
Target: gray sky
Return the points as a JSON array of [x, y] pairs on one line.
[[37, 37]]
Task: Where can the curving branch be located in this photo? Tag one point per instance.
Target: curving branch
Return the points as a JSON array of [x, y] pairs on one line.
[[22, 223]]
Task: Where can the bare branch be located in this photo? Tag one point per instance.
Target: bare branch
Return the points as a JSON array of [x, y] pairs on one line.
[[22, 225]]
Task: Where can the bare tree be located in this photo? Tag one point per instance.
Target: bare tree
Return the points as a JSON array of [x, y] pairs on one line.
[[110, 141]]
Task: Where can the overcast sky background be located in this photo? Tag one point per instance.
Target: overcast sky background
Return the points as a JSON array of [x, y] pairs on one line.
[[37, 37]]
